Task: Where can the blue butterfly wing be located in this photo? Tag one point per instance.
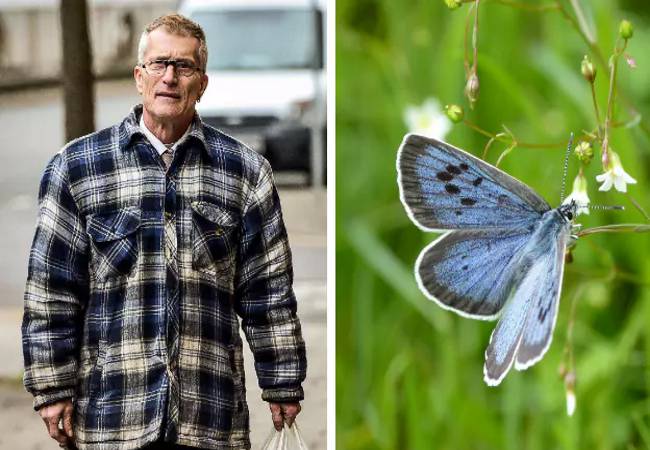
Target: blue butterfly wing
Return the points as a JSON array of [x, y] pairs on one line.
[[524, 331], [542, 313], [443, 188], [470, 272]]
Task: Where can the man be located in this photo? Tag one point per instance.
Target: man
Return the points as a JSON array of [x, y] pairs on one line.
[[153, 236]]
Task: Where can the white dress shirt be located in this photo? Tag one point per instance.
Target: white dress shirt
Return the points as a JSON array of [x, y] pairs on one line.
[[157, 143]]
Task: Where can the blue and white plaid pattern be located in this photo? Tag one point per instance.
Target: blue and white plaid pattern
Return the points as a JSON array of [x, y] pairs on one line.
[[102, 297]]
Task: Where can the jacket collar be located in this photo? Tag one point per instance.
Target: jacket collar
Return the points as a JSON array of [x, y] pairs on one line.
[[130, 128]]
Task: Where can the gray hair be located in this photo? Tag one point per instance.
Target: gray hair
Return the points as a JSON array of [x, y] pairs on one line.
[[178, 25]]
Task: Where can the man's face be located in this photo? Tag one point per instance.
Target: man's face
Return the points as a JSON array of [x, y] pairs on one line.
[[170, 97]]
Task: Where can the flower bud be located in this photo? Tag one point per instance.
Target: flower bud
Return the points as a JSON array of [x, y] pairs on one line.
[[472, 88], [455, 113], [453, 4], [579, 195], [625, 29], [588, 69], [605, 153], [584, 151], [570, 386]]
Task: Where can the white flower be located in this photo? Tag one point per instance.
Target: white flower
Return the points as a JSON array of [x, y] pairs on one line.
[[570, 402], [428, 119], [614, 175], [579, 195]]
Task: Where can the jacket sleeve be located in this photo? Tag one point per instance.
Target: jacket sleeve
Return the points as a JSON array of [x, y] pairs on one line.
[[265, 299], [56, 291]]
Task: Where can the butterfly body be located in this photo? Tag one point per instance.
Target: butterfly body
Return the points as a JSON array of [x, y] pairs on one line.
[[502, 255]]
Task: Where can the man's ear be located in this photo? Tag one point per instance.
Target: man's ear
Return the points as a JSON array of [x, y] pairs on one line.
[[137, 75], [204, 84]]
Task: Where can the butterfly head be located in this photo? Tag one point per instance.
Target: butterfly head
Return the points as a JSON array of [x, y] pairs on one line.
[[568, 211]]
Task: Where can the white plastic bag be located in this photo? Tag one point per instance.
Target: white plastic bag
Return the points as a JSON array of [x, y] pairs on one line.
[[287, 439]]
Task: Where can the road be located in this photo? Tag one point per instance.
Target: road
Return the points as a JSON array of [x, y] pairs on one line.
[[32, 132]]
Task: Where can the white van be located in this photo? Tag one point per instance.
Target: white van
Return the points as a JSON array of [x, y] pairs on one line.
[[267, 77]]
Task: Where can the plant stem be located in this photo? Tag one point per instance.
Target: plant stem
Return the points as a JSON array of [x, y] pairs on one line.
[[593, 97], [469, 70], [523, 6], [634, 121], [618, 228], [475, 39], [480, 130], [588, 40], [612, 92], [527, 7], [504, 153], [637, 206], [466, 44], [501, 137], [489, 144], [572, 318], [582, 22]]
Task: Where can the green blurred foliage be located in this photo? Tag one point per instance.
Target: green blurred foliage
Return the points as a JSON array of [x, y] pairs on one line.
[[409, 374]]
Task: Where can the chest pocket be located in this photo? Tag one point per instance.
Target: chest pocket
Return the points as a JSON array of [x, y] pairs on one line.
[[114, 242], [214, 238]]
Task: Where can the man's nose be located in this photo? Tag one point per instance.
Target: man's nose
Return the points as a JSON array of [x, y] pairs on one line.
[[170, 75]]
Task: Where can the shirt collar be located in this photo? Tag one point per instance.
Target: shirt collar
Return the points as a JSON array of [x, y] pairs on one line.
[[130, 127], [157, 143]]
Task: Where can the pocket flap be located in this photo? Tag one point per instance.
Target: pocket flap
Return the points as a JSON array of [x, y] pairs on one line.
[[109, 226], [215, 214]]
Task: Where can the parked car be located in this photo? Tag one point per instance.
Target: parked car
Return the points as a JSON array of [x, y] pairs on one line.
[[266, 76]]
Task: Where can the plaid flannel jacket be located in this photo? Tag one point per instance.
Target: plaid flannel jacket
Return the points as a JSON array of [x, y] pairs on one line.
[[96, 312]]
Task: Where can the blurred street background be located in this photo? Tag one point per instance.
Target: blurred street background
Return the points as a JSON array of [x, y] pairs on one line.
[[32, 118]]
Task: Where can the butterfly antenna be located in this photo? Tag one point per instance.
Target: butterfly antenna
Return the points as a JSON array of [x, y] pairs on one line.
[[607, 207], [566, 166]]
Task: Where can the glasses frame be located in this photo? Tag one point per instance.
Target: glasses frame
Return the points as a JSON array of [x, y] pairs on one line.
[[170, 62]]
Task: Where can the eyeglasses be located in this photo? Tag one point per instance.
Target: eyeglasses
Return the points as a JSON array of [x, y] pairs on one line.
[[159, 66]]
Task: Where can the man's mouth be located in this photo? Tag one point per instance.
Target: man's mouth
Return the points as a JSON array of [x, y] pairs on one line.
[[168, 95]]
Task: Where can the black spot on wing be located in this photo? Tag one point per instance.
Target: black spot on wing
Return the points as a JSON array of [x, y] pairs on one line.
[[452, 188], [453, 169], [478, 181], [444, 176], [464, 166], [541, 316], [544, 310], [458, 212], [464, 267], [467, 201]]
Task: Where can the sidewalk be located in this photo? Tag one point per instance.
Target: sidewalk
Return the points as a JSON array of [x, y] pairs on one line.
[[304, 213]]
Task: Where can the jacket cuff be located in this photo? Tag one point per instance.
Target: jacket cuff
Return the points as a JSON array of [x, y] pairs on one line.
[[47, 398], [283, 395]]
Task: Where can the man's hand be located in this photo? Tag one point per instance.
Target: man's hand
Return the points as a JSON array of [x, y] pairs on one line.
[[283, 412], [55, 413]]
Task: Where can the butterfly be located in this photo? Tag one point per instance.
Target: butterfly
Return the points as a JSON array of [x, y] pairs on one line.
[[502, 255]]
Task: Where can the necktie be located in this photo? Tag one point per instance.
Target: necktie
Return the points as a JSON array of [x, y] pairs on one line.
[[168, 155]]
